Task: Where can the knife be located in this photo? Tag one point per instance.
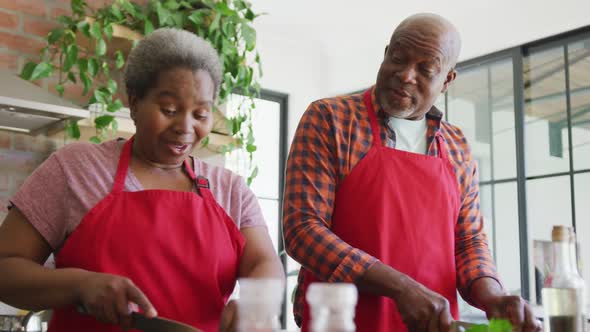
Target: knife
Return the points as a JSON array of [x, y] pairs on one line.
[[159, 324], [461, 326], [156, 324]]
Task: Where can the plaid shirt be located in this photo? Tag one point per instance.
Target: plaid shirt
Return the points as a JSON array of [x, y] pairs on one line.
[[333, 135]]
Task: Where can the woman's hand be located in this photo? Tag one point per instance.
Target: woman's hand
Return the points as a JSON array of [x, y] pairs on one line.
[[229, 317], [107, 298]]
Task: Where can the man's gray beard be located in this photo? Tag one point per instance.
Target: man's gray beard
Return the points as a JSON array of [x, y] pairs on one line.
[[399, 114]]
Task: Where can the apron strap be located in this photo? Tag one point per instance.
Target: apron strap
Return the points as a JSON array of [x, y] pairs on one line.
[[201, 182], [373, 118], [442, 150], [123, 166]]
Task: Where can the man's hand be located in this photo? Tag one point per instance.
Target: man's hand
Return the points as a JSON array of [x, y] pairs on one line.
[[488, 295], [422, 309], [514, 309], [229, 317]]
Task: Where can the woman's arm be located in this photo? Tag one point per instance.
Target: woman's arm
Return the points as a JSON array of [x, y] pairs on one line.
[[259, 259], [26, 284]]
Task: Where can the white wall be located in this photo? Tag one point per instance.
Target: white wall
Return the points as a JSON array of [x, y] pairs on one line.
[[311, 49], [293, 67]]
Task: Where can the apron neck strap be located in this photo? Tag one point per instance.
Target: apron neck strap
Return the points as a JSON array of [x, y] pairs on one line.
[[123, 166], [375, 130], [442, 150]]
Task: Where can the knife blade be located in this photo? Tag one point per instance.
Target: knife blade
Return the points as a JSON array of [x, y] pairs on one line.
[[159, 324]]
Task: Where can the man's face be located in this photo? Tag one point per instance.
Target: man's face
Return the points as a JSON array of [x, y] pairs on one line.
[[413, 73]]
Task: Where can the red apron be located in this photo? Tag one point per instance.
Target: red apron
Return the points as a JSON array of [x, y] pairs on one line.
[[180, 248], [402, 208]]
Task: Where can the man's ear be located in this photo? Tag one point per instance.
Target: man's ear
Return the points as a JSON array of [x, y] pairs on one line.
[[451, 75], [386, 48]]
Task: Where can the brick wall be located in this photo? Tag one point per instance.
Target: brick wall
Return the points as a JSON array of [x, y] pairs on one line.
[[23, 26]]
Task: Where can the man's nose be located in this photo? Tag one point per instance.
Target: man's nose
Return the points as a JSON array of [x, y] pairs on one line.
[[407, 75]]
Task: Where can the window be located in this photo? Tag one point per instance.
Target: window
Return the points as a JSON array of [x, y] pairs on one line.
[[526, 113], [269, 126]]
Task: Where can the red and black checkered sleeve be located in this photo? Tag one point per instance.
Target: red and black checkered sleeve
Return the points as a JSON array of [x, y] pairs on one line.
[[472, 254], [311, 180]]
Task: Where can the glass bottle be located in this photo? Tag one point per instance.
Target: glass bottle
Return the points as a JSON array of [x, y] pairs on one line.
[[564, 290], [332, 306], [259, 304]]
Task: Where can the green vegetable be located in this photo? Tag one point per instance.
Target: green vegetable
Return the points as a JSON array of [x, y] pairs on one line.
[[496, 325]]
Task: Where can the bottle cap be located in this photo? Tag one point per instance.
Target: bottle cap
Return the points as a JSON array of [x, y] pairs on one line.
[[332, 294], [560, 233], [261, 290]]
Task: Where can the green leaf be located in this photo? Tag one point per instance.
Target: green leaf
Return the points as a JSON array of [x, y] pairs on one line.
[[42, 70], [71, 57], [101, 47], [253, 175], [119, 59], [250, 148], [83, 65], [115, 106], [215, 24], [114, 126], [95, 140], [205, 141], [86, 81], [171, 5], [78, 6], [112, 86], [103, 121], [500, 325], [60, 89], [93, 67], [249, 35], [54, 35], [163, 14], [85, 28], [128, 7], [27, 71], [72, 77], [148, 27], [250, 15], [72, 129], [116, 12], [96, 30], [178, 19], [98, 97], [66, 20], [478, 328], [108, 31], [197, 17], [223, 8]]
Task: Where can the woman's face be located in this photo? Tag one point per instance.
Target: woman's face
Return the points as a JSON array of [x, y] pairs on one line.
[[174, 116]]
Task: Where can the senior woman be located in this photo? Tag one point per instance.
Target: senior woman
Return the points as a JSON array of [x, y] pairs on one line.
[[139, 221]]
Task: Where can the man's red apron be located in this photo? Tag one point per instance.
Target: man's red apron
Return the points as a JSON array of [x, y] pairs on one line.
[[402, 208], [180, 248]]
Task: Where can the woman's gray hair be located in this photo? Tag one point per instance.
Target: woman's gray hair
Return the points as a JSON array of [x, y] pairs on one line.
[[168, 48]]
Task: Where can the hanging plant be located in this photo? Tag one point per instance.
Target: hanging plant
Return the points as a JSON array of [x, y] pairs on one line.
[[84, 50]]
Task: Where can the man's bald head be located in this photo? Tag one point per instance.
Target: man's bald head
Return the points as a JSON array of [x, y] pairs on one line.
[[432, 26], [418, 66]]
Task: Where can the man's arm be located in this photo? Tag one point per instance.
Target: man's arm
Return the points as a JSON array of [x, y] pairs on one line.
[[472, 254], [477, 279], [311, 178]]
